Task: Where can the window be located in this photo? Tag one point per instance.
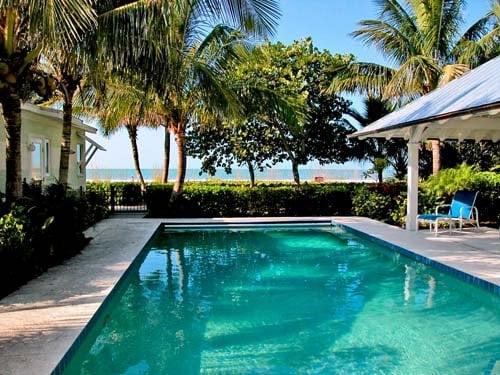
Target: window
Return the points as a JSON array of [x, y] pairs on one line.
[[40, 158], [47, 157], [36, 160], [80, 162]]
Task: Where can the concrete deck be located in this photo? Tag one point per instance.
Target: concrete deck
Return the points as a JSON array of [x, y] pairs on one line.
[[40, 321]]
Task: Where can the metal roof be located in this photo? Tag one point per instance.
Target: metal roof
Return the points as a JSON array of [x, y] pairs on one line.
[[466, 108]]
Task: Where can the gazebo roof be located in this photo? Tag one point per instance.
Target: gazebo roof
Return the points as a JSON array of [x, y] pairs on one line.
[[466, 108]]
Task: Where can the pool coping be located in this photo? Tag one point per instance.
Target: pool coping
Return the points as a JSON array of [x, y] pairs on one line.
[[412, 252], [44, 355]]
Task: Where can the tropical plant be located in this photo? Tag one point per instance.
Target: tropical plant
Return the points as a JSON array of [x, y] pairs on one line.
[[27, 26], [183, 48], [119, 105], [423, 39], [310, 126], [381, 153]]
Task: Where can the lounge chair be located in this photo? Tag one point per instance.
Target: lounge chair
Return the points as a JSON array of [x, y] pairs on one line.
[[462, 209]]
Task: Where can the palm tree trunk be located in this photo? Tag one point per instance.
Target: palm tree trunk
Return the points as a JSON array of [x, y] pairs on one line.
[[132, 135], [251, 171], [181, 164], [66, 137], [295, 171], [380, 175], [166, 157], [11, 107], [436, 156]]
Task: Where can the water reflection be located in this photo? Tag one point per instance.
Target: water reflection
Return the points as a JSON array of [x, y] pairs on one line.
[[279, 302]]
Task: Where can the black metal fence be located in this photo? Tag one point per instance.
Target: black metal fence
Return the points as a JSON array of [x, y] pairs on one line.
[[122, 197], [123, 200]]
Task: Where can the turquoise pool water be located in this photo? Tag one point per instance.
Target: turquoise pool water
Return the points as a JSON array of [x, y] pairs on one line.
[[288, 301]]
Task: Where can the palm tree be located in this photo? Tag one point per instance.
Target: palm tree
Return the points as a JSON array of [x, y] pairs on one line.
[[26, 27], [423, 39], [183, 57], [375, 152], [69, 68], [120, 105]]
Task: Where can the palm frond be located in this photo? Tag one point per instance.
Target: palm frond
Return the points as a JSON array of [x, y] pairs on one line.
[[451, 72], [416, 76], [60, 21], [387, 38], [361, 78]]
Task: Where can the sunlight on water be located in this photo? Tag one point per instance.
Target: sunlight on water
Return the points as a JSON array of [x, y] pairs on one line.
[[288, 301]]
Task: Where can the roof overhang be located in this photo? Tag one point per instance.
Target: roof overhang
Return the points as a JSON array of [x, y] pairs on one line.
[[467, 108], [57, 114], [95, 144], [479, 124]]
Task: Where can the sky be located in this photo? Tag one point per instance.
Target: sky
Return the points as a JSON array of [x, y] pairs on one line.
[[328, 22]]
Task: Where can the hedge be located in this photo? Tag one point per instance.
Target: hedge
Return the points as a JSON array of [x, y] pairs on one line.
[[231, 200], [43, 229], [385, 202]]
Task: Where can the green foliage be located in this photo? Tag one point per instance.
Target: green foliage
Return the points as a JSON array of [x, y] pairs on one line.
[[42, 229], [448, 181], [371, 203], [385, 202], [211, 200], [287, 114], [483, 155], [465, 177], [12, 235]]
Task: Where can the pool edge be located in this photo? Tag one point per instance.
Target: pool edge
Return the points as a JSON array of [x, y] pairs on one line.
[[462, 275]]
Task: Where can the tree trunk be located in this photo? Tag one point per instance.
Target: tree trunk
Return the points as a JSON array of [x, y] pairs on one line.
[[251, 171], [295, 170], [132, 135], [11, 107], [181, 164], [166, 157], [436, 157], [66, 137], [380, 175]]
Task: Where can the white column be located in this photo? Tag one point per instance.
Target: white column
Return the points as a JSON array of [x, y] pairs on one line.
[[412, 207]]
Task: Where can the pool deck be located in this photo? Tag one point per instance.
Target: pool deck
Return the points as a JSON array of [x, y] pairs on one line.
[[40, 321]]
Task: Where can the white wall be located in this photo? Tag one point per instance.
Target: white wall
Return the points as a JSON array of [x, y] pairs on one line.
[[45, 128]]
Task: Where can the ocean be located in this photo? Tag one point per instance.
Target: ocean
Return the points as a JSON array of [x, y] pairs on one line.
[[237, 175]]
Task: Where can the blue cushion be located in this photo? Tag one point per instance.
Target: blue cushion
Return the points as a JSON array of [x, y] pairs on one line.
[[432, 217]]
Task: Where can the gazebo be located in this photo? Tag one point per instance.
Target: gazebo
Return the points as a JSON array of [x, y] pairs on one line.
[[467, 108]]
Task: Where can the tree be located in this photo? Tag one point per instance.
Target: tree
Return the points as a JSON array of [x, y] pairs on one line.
[[68, 68], [249, 143], [299, 74], [484, 155], [380, 152], [27, 26], [120, 105], [423, 39], [183, 56]]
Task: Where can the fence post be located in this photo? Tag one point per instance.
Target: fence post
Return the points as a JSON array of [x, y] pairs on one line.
[[112, 198]]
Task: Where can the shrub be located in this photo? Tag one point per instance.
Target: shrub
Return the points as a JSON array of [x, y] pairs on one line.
[[379, 201], [448, 181], [224, 200], [43, 229], [385, 202]]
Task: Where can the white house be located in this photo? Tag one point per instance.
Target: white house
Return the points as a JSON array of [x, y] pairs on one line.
[[41, 137]]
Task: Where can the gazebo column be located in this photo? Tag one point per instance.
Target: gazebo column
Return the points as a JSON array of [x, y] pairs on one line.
[[412, 205]]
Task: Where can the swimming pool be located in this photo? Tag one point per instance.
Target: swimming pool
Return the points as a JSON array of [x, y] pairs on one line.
[[286, 300]]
